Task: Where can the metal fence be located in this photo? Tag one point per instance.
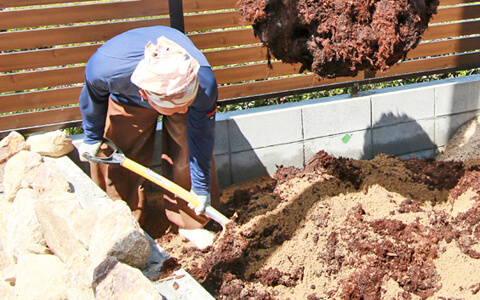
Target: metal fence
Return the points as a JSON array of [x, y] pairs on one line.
[[46, 43]]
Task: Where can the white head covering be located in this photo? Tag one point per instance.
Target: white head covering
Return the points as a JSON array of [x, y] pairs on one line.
[[168, 74]]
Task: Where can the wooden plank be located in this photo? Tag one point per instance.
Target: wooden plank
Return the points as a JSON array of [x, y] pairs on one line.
[[199, 6], [209, 21], [72, 113], [56, 77], [261, 71], [80, 54], [309, 80], [81, 13], [254, 72], [434, 63], [228, 38], [72, 75], [190, 6], [443, 31], [456, 13], [234, 91], [232, 18], [445, 47], [236, 55], [44, 38], [456, 2], [41, 38], [64, 76], [40, 79], [276, 85], [45, 117], [21, 3], [39, 99], [46, 58], [42, 128], [259, 53]]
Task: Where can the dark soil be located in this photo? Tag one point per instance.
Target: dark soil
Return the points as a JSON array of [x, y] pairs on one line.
[[335, 38], [289, 241]]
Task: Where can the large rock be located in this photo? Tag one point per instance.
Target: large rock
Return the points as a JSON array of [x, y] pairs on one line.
[[7, 269], [40, 276], [118, 234], [28, 170], [7, 291], [5, 209], [39, 216], [79, 276], [15, 170], [66, 226], [11, 145], [5, 261], [24, 234], [46, 178], [54, 144], [115, 280], [8, 274]]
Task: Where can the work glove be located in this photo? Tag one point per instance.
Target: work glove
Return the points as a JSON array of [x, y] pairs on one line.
[[91, 149], [203, 201]]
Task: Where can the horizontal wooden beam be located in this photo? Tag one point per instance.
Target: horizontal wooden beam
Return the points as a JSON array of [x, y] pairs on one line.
[[16, 82], [39, 99], [40, 118], [243, 91], [66, 15]]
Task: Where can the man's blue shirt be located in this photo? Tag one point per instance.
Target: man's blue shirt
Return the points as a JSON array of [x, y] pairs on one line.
[[108, 73]]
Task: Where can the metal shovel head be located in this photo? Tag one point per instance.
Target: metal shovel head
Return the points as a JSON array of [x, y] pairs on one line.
[[116, 158]]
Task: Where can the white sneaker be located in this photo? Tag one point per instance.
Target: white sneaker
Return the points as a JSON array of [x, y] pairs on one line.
[[202, 238]]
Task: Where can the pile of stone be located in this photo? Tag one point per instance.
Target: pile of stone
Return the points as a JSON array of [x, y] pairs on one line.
[[51, 247]]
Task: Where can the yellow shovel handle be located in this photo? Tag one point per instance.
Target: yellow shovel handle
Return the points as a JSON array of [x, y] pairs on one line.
[[160, 180]]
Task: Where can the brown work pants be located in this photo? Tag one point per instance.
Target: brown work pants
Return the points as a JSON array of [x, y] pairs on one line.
[[132, 130]]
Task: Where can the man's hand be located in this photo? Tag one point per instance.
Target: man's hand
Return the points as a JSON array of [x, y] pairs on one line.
[[203, 201], [91, 149]]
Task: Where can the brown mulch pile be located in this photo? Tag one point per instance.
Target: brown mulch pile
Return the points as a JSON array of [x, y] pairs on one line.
[[339, 37], [387, 228]]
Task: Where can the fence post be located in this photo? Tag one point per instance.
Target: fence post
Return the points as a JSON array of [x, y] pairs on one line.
[[355, 88], [176, 14]]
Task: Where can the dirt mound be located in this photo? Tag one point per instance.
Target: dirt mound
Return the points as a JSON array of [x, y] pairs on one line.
[[339, 37], [347, 229], [464, 144]]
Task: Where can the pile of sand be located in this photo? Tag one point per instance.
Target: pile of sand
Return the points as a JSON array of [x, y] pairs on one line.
[[349, 229]]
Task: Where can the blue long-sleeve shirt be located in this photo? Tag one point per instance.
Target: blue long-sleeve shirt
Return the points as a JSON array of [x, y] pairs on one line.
[[108, 73]]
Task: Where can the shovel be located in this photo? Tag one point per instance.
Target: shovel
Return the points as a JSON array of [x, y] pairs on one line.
[[118, 158]]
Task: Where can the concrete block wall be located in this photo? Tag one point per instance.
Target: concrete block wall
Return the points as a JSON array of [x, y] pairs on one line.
[[408, 121]]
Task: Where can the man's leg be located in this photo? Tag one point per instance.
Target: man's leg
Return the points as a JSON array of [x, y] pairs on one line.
[[175, 166], [132, 130]]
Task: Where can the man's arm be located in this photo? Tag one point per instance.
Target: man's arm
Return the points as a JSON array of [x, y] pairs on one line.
[[93, 106], [201, 132], [201, 139]]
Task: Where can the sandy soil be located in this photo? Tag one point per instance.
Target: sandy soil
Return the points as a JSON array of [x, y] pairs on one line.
[[348, 229]]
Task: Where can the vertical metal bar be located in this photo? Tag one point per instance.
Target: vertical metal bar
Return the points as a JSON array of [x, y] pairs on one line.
[[355, 88], [176, 14]]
